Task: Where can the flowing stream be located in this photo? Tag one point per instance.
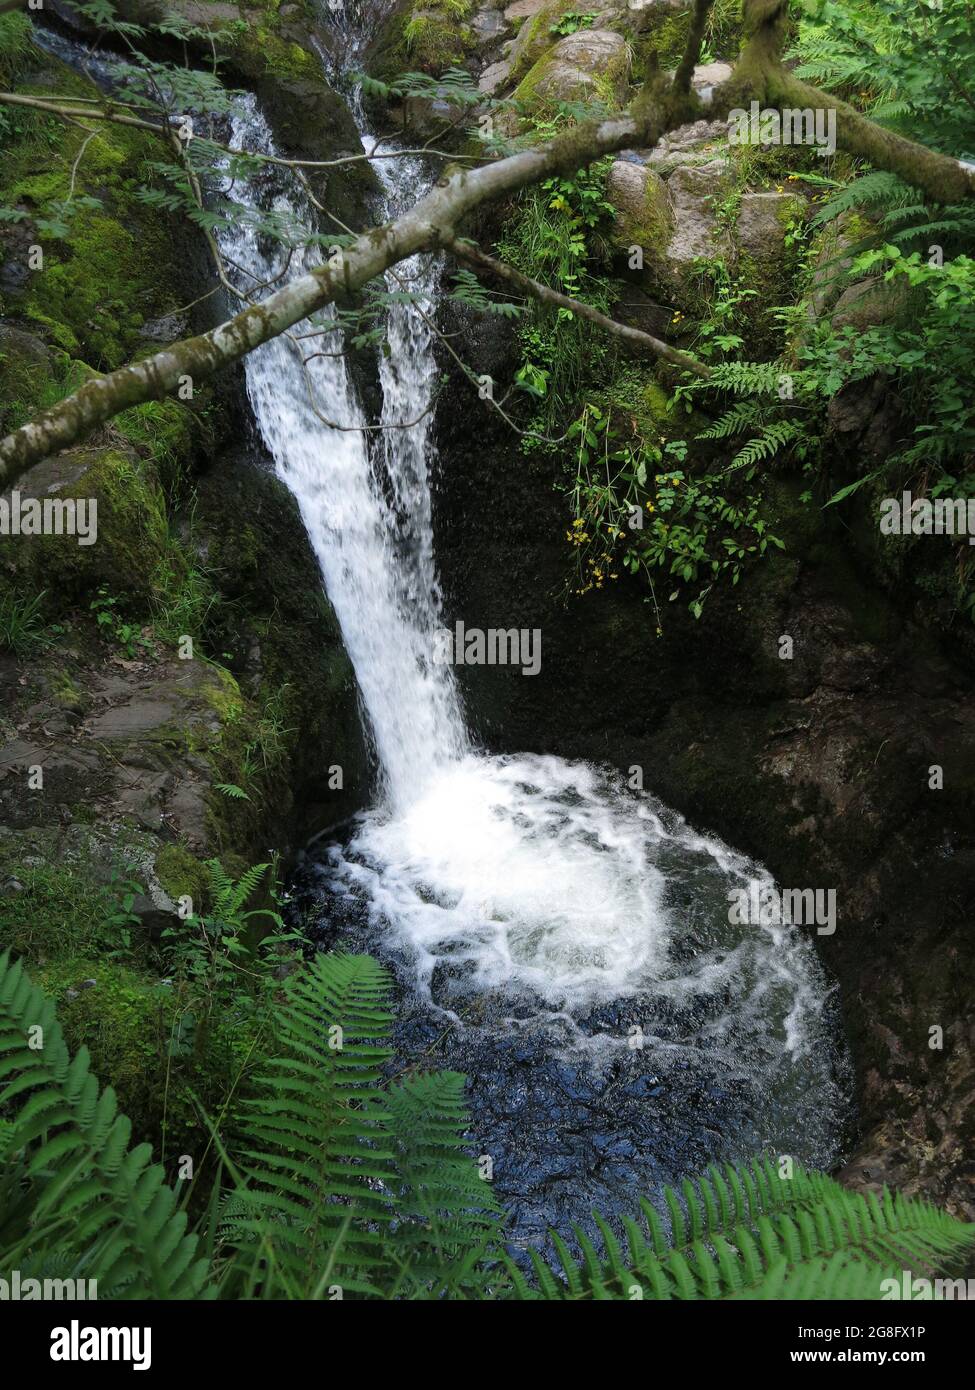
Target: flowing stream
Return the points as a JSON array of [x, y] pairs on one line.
[[562, 939]]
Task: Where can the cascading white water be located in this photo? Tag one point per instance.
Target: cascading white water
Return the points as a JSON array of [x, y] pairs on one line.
[[375, 551], [542, 881]]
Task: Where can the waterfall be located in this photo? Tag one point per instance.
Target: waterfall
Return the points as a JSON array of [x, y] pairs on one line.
[[543, 885], [363, 492]]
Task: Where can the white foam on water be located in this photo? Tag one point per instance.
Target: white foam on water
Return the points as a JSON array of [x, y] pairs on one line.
[[539, 878]]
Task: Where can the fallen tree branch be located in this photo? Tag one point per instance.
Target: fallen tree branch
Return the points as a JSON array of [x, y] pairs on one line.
[[425, 227], [759, 73], [76, 111], [941, 178], [479, 260]]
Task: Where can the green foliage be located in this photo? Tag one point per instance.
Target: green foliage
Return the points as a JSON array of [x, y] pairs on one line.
[[16, 49], [557, 237], [928, 355], [72, 1190], [22, 625], [62, 910], [340, 1181], [209, 955], [571, 22], [115, 629], [908, 63], [468, 290], [412, 1217], [748, 1233], [635, 510]]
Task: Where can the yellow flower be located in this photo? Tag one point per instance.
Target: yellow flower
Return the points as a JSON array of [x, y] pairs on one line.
[[651, 507]]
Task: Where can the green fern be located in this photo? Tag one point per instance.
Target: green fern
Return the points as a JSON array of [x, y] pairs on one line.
[[228, 897], [749, 1233], [72, 1189], [231, 790], [341, 1174], [347, 1184], [745, 378], [447, 1217], [775, 436]]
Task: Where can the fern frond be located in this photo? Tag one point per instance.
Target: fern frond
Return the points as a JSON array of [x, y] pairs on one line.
[[871, 192], [745, 378], [737, 420], [447, 1221], [79, 1191], [316, 1139], [749, 1233], [773, 438]]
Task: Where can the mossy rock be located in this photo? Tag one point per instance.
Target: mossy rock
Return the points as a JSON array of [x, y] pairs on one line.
[[181, 874], [643, 213], [154, 1054], [124, 501], [27, 376], [113, 268], [122, 1018], [423, 37], [591, 65]]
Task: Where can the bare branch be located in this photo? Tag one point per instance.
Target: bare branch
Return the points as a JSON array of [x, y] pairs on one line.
[[477, 258], [59, 108]]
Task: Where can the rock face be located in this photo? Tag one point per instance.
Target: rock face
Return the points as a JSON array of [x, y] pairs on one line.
[[666, 201], [693, 190], [681, 204], [762, 221], [109, 721]]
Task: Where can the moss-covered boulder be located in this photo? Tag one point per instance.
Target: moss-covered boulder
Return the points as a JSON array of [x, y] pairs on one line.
[[88, 288], [644, 217], [427, 36], [109, 511], [591, 65]]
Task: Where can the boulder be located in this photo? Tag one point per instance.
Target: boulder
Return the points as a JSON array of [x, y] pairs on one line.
[[707, 76], [763, 220], [489, 26], [494, 77], [639, 195], [692, 190], [524, 9], [699, 142], [868, 304], [588, 65]]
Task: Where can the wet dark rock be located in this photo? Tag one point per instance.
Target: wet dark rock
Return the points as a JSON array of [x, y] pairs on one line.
[[569, 1127]]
